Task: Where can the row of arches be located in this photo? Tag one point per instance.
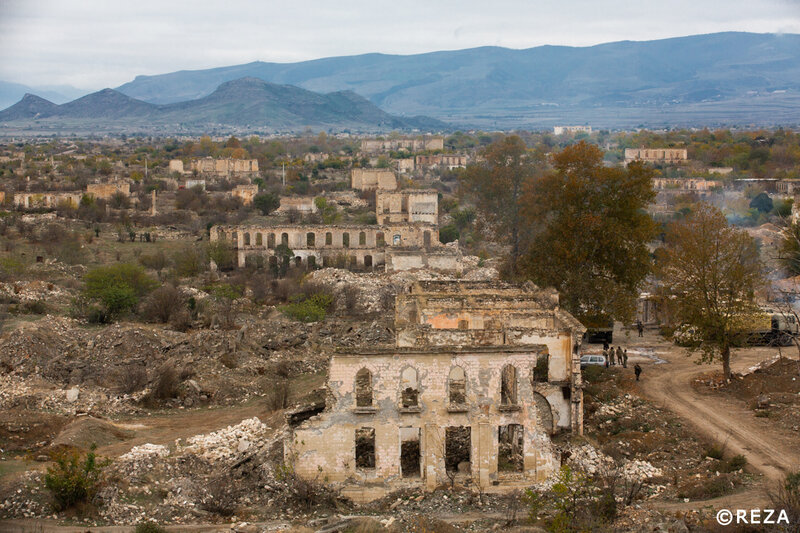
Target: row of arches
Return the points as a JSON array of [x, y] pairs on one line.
[[456, 386], [311, 261], [313, 239]]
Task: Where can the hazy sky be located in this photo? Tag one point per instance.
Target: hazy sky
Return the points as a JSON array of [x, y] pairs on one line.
[[103, 43]]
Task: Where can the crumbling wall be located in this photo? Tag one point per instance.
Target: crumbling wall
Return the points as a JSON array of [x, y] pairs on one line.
[[364, 179]]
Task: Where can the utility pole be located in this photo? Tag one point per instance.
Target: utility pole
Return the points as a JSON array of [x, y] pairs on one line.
[[283, 172], [145, 168]]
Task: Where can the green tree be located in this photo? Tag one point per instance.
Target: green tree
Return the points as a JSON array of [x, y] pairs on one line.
[[118, 287], [72, 480], [497, 186], [789, 249], [266, 202], [222, 254], [710, 272], [762, 202], [589, 232]]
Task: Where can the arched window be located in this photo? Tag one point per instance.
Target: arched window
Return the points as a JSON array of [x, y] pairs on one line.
[[457, 386], [311, 239], [247, 239], [409, 387], [368, 261], [508, 385], [397, 240], [380, 240], [362, 239], [346, 240], [364, 388], [328, 239], [271, 241], [259, 239], [285, 239]]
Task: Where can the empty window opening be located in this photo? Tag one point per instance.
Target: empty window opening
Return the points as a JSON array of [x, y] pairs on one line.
[[508, 386], [346, 240], [298, 260], [235, 238], [362, 239], [328, 239], [458, 449], [457, 383], [365, 448], [247, 239], [463, 324], [566, 393], [379, 239], [410, 459], [311, 239], [364, 388], [285, 239], [542, 368], [259, 239], [426, 238], [353, 261], [312, 261], [396, 240], [409, 388], [368, 261], [271, 241], [509, 453]]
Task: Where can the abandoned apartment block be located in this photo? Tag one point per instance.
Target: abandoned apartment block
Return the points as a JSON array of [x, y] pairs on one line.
[[410, 205], [481, 375]]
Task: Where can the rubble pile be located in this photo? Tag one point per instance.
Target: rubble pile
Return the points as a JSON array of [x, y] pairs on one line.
[[226, 445]]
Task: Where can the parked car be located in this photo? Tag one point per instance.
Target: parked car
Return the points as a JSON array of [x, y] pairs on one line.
[[586, 360]]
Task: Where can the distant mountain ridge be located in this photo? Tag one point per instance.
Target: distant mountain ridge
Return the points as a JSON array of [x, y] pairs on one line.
[[694, 72], [245, 102]]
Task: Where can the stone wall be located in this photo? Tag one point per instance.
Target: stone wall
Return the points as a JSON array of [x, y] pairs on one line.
[[219, 167], [560, 130], [176, 165], [303, 204], [411, 145], [105, 191], [449, 161], [246, 193]]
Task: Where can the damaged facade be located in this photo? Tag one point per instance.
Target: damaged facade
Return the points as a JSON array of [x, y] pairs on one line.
[[481, 376], [343, 246], [409, 205]]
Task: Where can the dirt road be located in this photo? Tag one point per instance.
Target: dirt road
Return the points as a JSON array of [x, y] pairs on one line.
[[773, 453]]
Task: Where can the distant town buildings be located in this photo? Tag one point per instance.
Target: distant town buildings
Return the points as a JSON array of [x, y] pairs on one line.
[[222, 168], [561, 130], [411, 145], [449, 161]]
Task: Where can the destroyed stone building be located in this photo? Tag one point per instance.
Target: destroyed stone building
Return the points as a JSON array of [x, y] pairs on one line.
[[222, 168], [448, 161], [365, 179], [104, 191], [561, 130], [395, 246], [410, 205], [481, 375], [302, 204], [27, 200], [656, 155], [246, 193], [413, 145]]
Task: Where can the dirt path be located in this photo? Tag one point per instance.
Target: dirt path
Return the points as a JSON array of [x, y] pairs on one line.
[[772, 453]]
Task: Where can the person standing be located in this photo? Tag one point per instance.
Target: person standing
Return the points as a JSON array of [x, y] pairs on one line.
[[619, 355], [625, 358], [638, 370], [612, 356], [640, 328]]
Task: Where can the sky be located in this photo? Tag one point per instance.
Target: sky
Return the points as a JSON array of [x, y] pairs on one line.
[[93, 44]]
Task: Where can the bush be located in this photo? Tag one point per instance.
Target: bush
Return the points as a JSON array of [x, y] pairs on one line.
[[278, 396], [787, 497], [737, 462], [222, 495], [166, 385], [714, 451], [189, 262], [149, 527], [448, 233], [73, 481], [163, 304], [304, 311], [266, 202], [118, 287], [37, 307]]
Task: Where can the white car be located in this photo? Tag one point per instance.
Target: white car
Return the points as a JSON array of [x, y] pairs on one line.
[[598, 360]]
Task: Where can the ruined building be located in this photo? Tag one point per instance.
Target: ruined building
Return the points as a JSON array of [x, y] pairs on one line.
[[245, 193], [482, 374], [448, 161], [392, 145], [222, 168], [105, 191], [393, 247], [410, 205], [364, 179], [656, 155]]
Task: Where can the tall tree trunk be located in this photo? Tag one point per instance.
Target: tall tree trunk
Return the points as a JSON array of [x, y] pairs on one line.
[[726, 361]]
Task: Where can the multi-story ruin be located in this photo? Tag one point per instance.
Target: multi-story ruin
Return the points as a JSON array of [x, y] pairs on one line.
[[481, 375], [412, 145], [409, 205], [448, 161], [656, 155], [365, 179], [699, 186], [393, 247], [222, 168], [28, 200]]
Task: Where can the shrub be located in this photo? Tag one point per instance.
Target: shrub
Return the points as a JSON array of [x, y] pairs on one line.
[[132, 378], [266, 202], [304, 311], [71, 480], [163, 304], [149, 527], [118, 287], [714, 451], [166, 384], [787, 497], [737, 462], [156, 261], [189, 262], [222, 254], [37, 307], [222, 495], [278, 396], [448, 233], [11, 268]]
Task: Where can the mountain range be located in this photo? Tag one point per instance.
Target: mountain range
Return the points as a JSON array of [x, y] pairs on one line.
[[744, 76], [244, 103], [11, 92], [723, 79]]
